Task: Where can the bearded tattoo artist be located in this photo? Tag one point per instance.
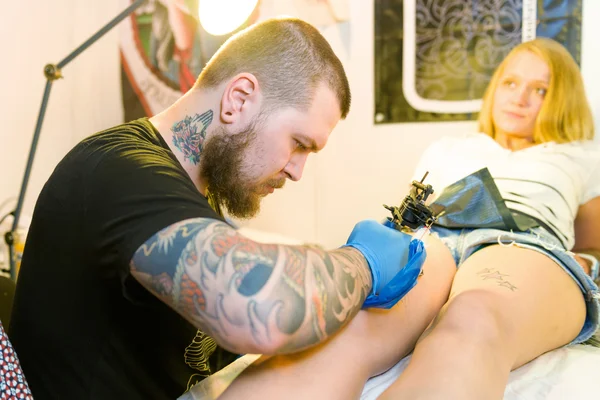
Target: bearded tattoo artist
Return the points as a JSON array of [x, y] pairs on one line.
[[133, 285]]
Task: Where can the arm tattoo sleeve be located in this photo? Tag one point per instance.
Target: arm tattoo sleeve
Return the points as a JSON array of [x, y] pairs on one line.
[[252, 297]]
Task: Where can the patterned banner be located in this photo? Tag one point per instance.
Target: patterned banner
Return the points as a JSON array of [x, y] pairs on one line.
[[434, 58]]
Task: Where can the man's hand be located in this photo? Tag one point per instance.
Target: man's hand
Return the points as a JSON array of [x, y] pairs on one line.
[[387, 253]]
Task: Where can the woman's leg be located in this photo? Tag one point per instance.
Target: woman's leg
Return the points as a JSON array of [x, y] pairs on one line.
[[370, 344], [507, 306]]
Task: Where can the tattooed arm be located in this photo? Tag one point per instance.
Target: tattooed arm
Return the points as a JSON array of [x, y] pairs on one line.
[[252, 297]]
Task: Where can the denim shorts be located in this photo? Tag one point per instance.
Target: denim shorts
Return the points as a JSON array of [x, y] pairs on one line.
[[464, 242]]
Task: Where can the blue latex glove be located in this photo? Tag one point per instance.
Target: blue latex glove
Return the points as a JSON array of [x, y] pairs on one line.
[[394, 260], [404, 280]]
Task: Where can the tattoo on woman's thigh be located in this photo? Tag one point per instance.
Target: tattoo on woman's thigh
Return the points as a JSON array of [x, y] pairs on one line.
[[487, 274]]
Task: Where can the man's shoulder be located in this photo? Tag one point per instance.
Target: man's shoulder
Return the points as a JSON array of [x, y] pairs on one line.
[[139, 132], [136, 141]]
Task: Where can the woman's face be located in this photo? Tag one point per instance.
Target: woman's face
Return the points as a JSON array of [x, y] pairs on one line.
[[519, 96]]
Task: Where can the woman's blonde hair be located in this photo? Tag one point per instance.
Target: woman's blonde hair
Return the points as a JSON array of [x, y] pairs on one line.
[[565, 115]]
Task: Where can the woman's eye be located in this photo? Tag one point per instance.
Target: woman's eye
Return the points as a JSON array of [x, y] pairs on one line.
[[510, 84], [541, 91], [300, 146]]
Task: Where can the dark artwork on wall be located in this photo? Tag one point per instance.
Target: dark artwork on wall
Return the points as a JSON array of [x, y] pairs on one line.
[[434, 58]]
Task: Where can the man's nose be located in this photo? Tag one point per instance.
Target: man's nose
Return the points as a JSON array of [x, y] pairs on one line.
[[295, 167]]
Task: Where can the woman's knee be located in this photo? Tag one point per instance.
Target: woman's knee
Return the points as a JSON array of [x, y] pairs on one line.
[[474, 318]]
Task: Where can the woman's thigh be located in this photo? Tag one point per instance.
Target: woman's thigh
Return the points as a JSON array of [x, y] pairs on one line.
[[389, 335], [538, 306]]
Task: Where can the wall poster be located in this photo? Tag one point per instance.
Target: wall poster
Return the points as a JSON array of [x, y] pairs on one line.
[[434, 58]]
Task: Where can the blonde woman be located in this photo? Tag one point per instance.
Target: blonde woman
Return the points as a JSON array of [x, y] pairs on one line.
[[515, 295]]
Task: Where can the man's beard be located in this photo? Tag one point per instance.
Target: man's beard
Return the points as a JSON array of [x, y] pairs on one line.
[[222, 167]]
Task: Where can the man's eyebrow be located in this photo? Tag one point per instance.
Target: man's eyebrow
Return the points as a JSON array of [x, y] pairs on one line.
[[309, 143]]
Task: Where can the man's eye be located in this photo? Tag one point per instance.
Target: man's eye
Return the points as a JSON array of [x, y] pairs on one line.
[[300, 146]]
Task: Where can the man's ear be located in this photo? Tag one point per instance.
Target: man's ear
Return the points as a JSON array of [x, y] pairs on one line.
[[240, 96]]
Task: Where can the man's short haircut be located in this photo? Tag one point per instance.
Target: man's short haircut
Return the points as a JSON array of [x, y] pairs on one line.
[[289, 57]]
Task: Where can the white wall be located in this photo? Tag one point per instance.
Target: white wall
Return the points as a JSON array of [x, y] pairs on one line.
[[33, 34], [590, 57], [362, 167]]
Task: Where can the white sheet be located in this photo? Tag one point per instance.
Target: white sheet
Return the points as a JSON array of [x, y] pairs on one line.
[[568, 373], [571, 372]]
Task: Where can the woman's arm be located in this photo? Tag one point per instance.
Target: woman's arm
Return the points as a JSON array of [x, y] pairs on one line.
[[587, 229]]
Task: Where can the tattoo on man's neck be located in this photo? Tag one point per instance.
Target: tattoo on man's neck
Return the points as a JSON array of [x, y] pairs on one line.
[[189, 135]]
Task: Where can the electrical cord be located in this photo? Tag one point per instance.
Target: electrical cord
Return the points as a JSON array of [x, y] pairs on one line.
[[3, 205], [6, 216]]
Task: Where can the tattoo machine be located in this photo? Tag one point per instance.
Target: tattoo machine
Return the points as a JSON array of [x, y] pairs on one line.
[[412, 213]]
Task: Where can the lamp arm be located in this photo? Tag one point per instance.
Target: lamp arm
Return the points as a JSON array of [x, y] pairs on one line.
[[100, 33], [52, 72]]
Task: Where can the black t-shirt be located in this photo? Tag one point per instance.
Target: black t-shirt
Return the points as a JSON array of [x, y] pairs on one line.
[[82, 326]]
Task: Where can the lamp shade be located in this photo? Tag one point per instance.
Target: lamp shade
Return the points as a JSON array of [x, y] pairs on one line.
[[219, 17]]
